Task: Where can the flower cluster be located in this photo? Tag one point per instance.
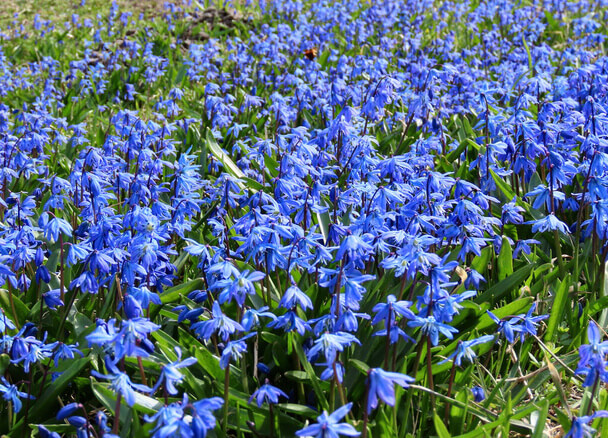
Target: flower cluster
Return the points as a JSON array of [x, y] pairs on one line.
[[316, 203]]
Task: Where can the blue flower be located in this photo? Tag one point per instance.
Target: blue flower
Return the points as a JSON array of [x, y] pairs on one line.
[[289, 322], [388, 311], [5, 322], [355, 247], [202, 417], [68, 410], [51, 299], [238, 288], [65, 352], [592, 357], [595, 347], [329, 426], [132, 307], [381, 385], [507, 328], [170, 374], [11, 394], [251, 317], [52, 228], [131, 338], [431, 327], [121, 383], [464, 350], [35, 352], [219, 323], [171, 420], [549, 222], [331, 344], [511, 213], [234, 350], [580, 425], [145, 296], [479, 394], [528, 322], [267, 394], [45, 433], [293, 296]]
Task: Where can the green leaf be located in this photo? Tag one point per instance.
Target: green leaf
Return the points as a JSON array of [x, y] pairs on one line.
[[314, 379], [360, 365], [46, 405], [453, 156], [505, 286], [107, 397], [298, 376], [324, 222], [505, 260], [21, 309], [440, 428], [530, 64], [560, 301], [253, 184], [294, 408], [480, 264], [597, 306], [506, 190], [172, 294], [225, 159], [557, 380], [209, 362], [5, 361], [512, 308], [603, 319]]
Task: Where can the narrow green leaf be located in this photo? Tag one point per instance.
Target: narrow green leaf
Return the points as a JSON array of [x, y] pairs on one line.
[[5, 361], [440, 428], [229, 165], [360, 365], [505, 286], [603, 319], [294, 408], [173, 293], [505, 260], [512, 308], [560, 301], [506, 190], [107, 397], [208, 361], [314, 379], [298, 376], [530, 64], [47, 403], [324, 222], [21, 309]]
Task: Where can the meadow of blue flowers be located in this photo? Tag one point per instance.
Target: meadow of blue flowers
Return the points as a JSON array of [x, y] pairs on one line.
[[305, 218]]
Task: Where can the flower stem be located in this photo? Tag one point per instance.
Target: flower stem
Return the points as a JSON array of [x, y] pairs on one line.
[[558, 253], [65, 315], [141, 371], [117, 414], [429, 368], [12, 303], [27, 404], [387, 346], [271, 421], [365, 414], [226, 393], [417, 360], [592, 396], [452, 375], [61, 280]]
